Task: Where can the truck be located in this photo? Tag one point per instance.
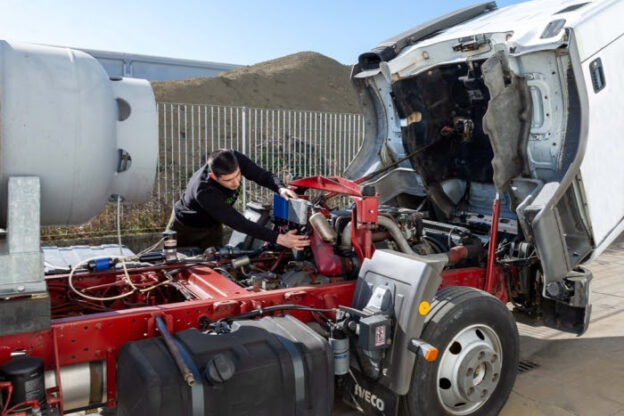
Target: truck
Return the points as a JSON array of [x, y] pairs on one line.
[[488, 178]]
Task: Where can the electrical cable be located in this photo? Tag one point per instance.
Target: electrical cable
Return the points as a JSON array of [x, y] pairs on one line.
[[9, 388], [122, 259], [95, 298], [147, 250], [123, 263], [274, 308], [26, 403], [354, 311], [127, 278], [55, 267]]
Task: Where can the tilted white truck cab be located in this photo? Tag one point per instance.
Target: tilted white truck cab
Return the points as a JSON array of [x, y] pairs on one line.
[[522, 102]]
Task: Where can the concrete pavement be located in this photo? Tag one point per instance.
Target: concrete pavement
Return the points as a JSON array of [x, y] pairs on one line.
[[578, 375]]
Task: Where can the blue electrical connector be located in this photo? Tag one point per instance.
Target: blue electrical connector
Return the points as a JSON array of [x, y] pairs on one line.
[[280, 207], [98, 265]]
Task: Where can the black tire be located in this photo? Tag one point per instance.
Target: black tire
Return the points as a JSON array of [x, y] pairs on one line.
[[468, 326]]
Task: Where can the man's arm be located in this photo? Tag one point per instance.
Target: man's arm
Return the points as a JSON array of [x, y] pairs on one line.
[[227, 215], [263, 177], [218, 209], [257, 174]]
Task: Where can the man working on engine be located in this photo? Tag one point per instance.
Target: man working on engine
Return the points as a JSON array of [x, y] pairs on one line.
[[208, 201]]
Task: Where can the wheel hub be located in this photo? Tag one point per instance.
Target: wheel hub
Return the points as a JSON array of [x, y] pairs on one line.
[[469, 369], [478, 373]]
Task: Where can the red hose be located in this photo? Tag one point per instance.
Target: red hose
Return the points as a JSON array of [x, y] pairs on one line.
[[6, 385]]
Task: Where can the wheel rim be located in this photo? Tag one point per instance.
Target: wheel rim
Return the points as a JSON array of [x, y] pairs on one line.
[[469, 369]]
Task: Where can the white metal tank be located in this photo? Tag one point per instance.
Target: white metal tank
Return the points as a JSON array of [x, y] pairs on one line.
[[63, 120]]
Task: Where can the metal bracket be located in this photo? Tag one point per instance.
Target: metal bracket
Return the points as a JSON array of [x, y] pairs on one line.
[[25, 304]]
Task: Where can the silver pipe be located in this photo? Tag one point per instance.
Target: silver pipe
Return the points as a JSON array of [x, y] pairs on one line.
[[395, 233], [240, 262], [399, 238], [345, 237], [321, 226]]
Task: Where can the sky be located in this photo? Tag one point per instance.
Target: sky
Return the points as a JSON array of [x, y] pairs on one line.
[[230, 31]]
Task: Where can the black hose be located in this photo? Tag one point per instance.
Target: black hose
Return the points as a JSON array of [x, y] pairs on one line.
[[274, 308]]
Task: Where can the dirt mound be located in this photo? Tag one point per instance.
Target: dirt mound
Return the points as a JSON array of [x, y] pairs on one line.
[[303, 81]]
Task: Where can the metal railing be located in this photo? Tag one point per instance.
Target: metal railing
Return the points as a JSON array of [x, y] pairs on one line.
[[287, 142], [290, 143]]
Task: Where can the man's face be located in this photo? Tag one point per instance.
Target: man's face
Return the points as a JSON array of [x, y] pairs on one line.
[[230, 180]]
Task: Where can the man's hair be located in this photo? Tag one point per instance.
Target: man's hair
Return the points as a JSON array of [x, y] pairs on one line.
[[222, 162]]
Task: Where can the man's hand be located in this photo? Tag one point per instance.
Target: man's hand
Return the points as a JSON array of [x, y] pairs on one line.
[[292, 240], [287, 194]]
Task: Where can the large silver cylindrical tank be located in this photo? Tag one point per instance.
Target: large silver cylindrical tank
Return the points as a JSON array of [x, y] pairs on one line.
[[85, 136]]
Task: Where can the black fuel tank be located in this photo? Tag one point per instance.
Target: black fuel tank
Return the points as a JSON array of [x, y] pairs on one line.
[[274, 366]]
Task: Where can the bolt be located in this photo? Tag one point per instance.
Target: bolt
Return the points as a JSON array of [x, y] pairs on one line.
[[425, 55]]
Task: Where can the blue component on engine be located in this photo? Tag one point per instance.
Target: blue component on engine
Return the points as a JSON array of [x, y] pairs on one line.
[[102, 264], [280, 207]]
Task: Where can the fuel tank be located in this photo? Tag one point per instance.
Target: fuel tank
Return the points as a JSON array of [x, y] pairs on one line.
[[276, 366]]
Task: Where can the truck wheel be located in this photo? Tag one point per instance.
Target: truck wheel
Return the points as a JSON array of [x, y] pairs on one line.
[[477, 340]]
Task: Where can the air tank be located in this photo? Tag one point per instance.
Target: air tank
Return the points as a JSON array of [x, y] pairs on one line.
[[87, 137]]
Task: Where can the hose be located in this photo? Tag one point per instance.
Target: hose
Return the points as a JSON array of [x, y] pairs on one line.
[[404, 246], [395, 233], [274, 308], [127, 278], [76, 291], [187, 374], [123, 262]]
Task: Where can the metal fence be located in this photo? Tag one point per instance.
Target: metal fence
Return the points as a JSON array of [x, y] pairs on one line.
[[290, 143]]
